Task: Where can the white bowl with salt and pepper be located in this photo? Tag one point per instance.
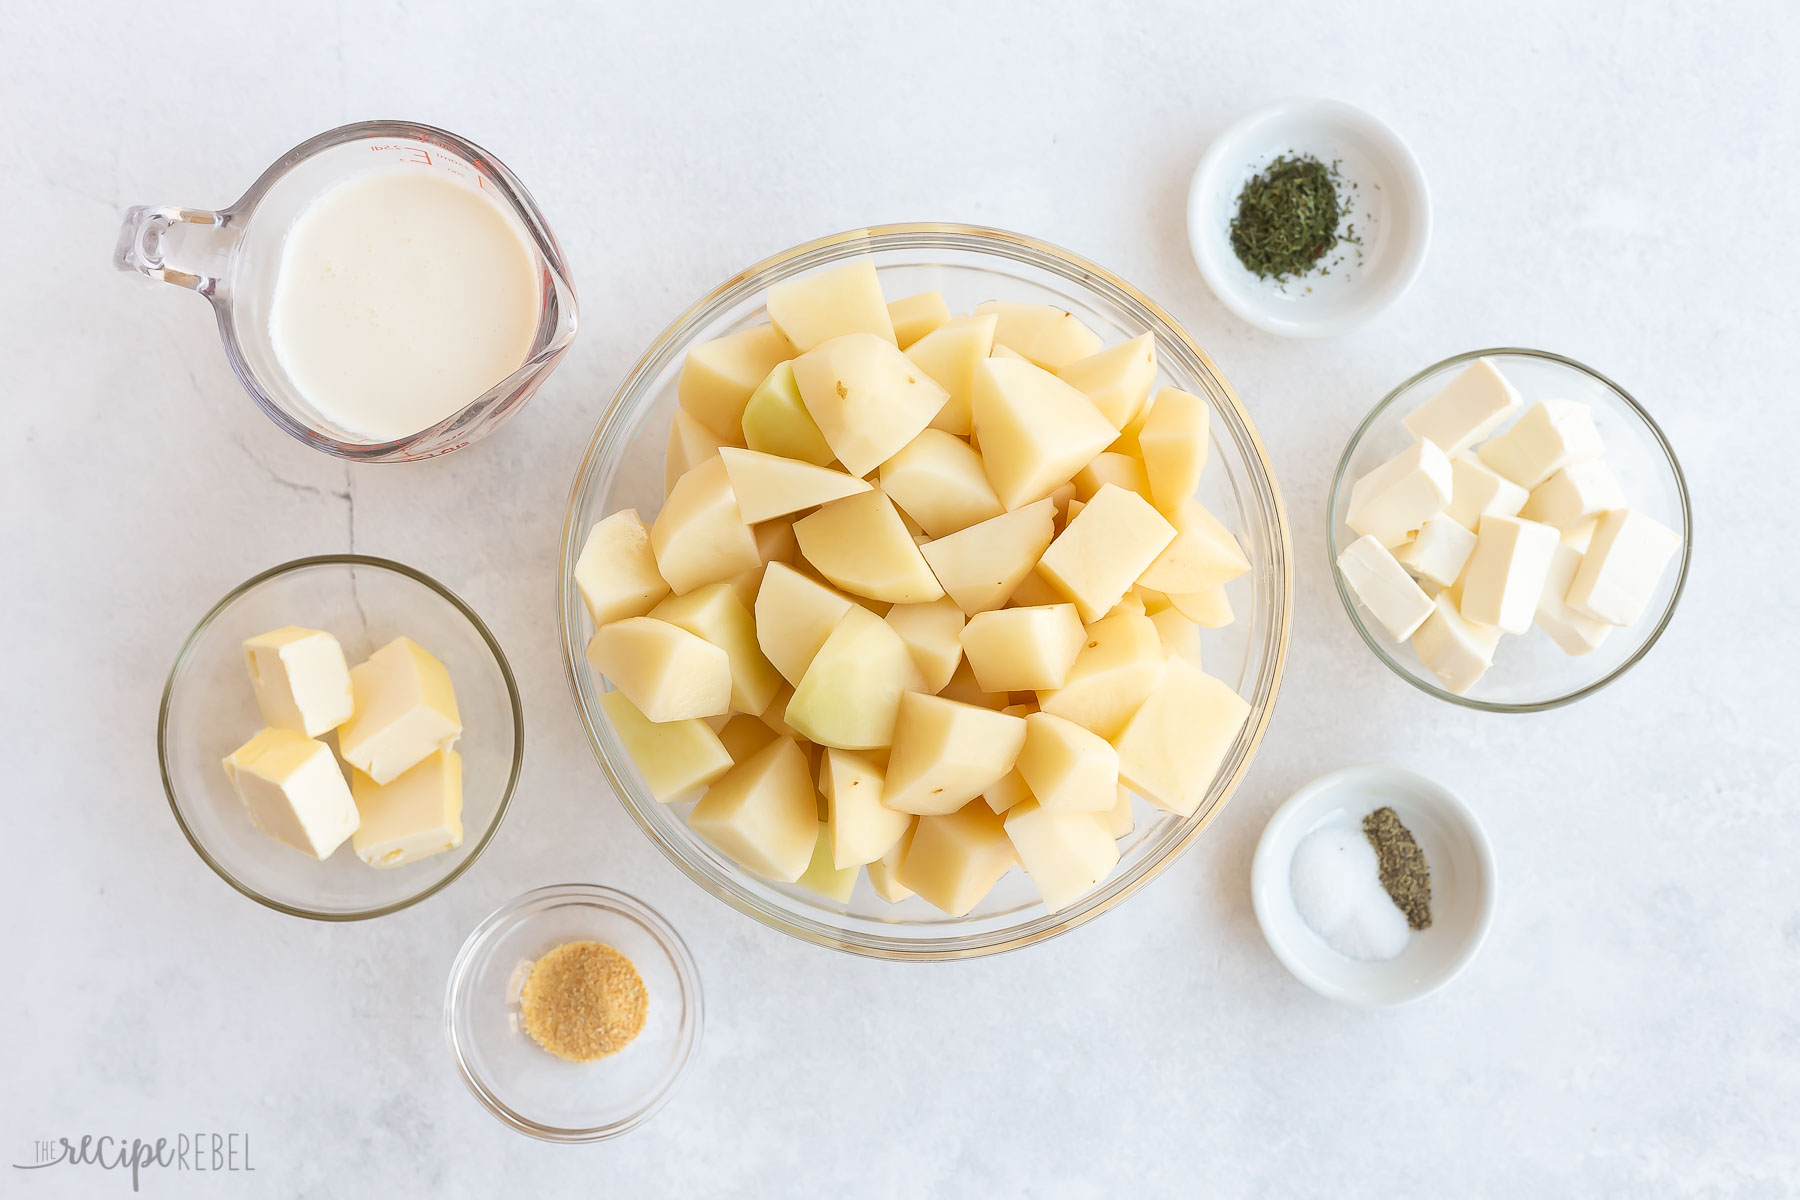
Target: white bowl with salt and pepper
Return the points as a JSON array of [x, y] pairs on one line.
[[1381, 190], [1463, 885]]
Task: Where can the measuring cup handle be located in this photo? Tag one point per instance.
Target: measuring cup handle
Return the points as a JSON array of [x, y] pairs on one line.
[[140, 246]]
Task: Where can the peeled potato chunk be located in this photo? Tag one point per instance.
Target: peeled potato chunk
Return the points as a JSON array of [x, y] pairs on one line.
[[851, 691], [1109, 467], [690, 444], [916, 316], [1023, 649], [1173, 443], [674, 757], [1173, 745], [981, 566], [794, 616], [667, 672], [743, 735], [717, 377], [1116, 379], [1049, 337], [862, 829], [1203, 555], [1119, 665], [1098, 558], [1179, 635], [946, 754], [1209, 608], [933, 632], [956, 859], [776, 421], [1066, 854], [768, 486], [860, 544], [1035, 430], [948, 354], [1068, 768], [715, 613], [866, 397], [883, 870], [824, 876], [617, 569], [938, 481], [813, 309], [762, 814], [700, 537]]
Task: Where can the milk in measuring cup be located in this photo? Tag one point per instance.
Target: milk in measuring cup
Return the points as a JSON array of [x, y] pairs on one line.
[[402, 295]]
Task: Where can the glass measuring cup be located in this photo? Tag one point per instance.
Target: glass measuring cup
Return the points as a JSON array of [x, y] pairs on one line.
[[232, 256]]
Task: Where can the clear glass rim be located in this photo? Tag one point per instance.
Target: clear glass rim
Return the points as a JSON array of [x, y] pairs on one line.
[[554, 341], [355, 560], [953, 236], [1374, 643], [522, 907]]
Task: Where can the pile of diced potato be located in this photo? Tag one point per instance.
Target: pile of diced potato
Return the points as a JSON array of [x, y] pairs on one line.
[[924, 597]]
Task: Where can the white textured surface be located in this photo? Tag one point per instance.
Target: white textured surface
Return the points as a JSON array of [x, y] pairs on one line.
[[1613, 182]]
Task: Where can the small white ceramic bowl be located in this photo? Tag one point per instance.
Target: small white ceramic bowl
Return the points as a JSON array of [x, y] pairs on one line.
[[1463, 885], [1389, 206]]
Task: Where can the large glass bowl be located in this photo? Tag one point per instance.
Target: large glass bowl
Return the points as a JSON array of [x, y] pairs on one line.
[[209, 709], [1530, 674], [623, 468]]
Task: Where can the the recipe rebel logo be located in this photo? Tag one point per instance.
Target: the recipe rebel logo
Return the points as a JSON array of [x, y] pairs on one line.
[[193, 1153]]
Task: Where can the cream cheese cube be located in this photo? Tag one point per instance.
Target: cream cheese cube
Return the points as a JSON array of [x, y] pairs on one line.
[[292, 789], [1620, 570], [416, 816], [1551, 435], [1574, 633], [1384, 587], [1394, 499], [1477, 491], [405, 710], [1440, 552], [1457, 651], [1467, 409], [300, 679], [1581, 534], [1505, 575], [1574, 494]]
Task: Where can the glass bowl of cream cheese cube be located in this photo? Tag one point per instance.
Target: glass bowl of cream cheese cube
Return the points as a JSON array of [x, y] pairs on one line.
[[1509, 530], [340, 737]]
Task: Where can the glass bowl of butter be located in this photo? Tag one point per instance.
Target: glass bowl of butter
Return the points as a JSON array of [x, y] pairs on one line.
[[340, 737], [1509, 530]]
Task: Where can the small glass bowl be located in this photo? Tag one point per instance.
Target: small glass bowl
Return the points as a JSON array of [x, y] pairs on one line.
[[1530, 674], [208, 710], [525, 1085], [623, 468]]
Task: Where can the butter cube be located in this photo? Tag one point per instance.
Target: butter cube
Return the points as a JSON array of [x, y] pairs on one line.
[[1581, 534], [1505, 575], [1383, 586], [1551, 435], [300, 679], [1467, 409], [1457, 651], [405, 710], [1574, 495], [1620, 570], [1477, 491], [1574, 633], [417, 815], [293, 790], [1394, 499], [1440, 552]]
